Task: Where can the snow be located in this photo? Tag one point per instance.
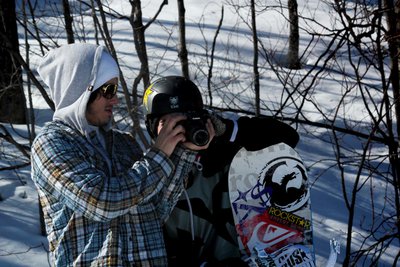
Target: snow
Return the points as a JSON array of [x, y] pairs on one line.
[[21, 243]]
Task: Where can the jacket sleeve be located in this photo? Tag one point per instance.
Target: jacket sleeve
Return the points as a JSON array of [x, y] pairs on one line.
[[183, 161], [260, 132], [59, 171], [252, 133]]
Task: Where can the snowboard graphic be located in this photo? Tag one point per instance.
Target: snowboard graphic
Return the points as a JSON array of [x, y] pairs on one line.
[[270, 200]]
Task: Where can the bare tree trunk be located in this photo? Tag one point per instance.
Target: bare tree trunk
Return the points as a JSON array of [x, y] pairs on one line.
[[293, 53], [30, 115], [140, 45], [32, 12], [95, 22], [31, 128], [68, 22], [183, 53], [256, 74], [210, 69], [140, 41], [12, 100], [16, 55], [393, 16]]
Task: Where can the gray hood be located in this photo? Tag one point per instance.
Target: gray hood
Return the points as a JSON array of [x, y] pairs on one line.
[[73, 72]]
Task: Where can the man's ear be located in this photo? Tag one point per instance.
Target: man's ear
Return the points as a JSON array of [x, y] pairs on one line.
[[93, 96]]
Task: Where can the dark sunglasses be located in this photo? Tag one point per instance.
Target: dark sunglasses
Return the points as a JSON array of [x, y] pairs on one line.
[[108, 90]]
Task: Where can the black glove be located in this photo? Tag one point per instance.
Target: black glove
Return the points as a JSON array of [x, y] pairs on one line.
[[223, 127], [260, 132], [219, 124]]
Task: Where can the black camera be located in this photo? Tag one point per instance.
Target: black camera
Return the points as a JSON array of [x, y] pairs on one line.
[[195, 127]]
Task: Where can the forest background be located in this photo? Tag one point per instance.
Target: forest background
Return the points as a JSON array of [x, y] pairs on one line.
[[329, 68]]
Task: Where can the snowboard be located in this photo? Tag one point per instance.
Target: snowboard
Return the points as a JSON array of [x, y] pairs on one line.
[[270, 199]]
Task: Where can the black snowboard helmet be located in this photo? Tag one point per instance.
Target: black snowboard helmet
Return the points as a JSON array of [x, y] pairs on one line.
[[168, 95]]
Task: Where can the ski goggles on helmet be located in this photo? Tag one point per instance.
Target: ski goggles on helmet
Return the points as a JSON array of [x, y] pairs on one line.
[[108, 90]]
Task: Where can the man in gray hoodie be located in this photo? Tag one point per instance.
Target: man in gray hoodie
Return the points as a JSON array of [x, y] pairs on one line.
[[104, 201]]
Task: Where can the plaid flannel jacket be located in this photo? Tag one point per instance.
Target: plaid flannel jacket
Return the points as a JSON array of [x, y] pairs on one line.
[[96, 216]]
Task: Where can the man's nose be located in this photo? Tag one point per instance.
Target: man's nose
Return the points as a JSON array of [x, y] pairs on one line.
[[114, 100]]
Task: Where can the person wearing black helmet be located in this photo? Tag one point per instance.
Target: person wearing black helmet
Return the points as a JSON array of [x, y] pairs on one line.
[[200, 230], [175, 94]]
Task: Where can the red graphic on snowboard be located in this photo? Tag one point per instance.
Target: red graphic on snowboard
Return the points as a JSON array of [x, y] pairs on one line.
[[262, 231]]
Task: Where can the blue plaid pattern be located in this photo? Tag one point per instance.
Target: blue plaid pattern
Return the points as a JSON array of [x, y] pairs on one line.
[[96, 216]]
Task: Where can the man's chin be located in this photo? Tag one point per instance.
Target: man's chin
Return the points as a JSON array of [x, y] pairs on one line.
[[106, 123], [102, 124]]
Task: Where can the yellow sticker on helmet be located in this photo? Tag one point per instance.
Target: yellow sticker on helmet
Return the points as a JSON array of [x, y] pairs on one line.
[[146, 96]]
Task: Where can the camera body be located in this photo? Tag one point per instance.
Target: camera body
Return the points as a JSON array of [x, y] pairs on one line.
[[195, 127]]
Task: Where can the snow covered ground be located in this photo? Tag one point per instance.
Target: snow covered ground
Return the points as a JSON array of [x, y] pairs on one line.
[[21, 243]]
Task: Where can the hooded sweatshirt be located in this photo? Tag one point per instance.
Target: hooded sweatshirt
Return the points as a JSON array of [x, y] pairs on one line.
[[100, 209], [71, 83]]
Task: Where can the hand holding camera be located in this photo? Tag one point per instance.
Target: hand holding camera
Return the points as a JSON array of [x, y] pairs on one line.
[[195, 130]]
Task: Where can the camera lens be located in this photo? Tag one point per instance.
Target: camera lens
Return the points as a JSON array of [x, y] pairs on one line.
[[196, 130], [200, 137]]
